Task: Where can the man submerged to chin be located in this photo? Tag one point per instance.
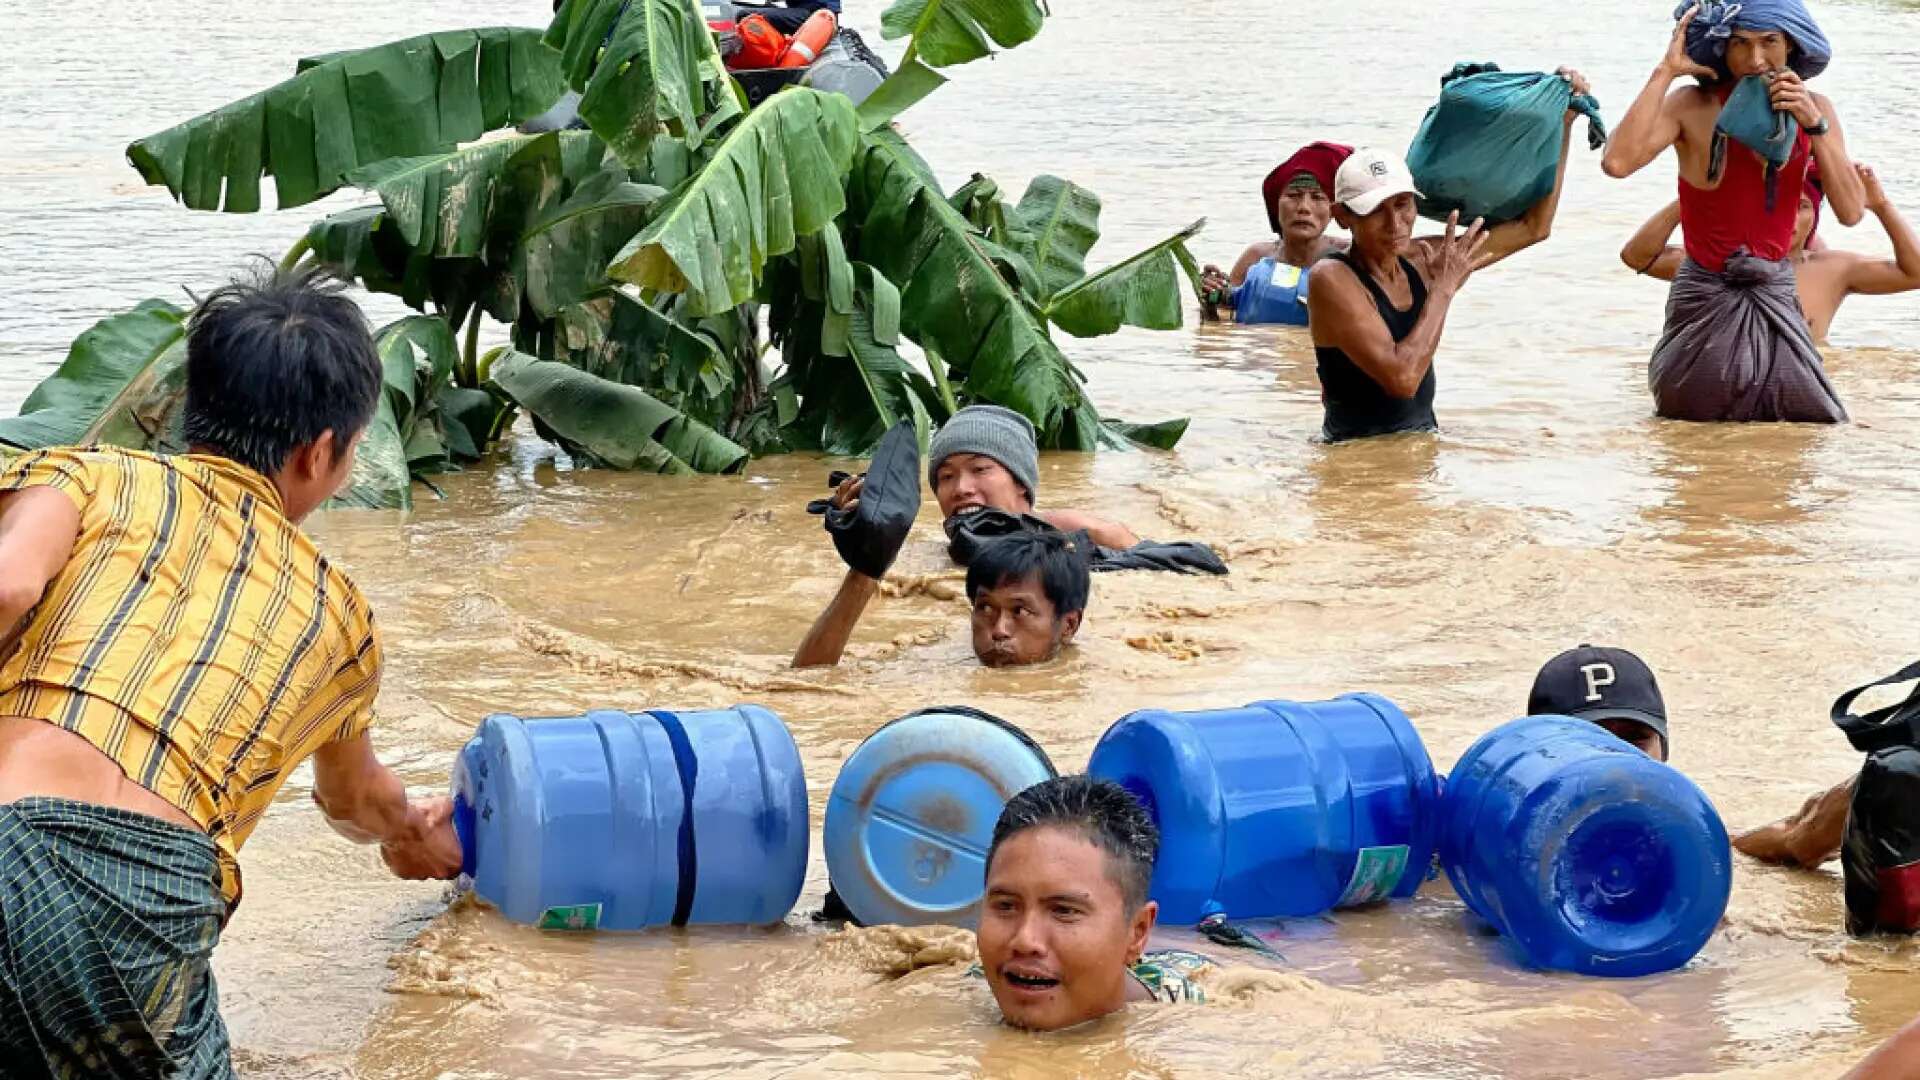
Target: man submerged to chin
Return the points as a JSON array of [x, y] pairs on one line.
[[1065, 920]]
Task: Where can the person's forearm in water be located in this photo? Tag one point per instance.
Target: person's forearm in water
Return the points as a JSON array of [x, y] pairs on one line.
[[1807, 838], [1647, 251], [827, 641]]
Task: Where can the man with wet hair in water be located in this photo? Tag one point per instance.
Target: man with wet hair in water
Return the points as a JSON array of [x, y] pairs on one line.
[[1065, 920], [172, 648], [1028, 592]]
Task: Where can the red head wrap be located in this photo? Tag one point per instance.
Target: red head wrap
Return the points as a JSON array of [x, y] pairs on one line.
[[1319, 160]]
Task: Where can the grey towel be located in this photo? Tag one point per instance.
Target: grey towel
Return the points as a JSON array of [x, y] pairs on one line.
[[1737, 347]]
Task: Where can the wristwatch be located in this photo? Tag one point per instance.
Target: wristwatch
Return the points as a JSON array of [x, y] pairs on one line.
[[1820, 128]]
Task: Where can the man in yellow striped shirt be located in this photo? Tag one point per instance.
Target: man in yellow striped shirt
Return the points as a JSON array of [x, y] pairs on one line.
[[171, 647]]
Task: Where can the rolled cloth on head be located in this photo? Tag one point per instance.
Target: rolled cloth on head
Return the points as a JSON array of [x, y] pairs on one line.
[[1319, 160], [1811, 185], [991, 431], [1736, 347], [1713, 27]]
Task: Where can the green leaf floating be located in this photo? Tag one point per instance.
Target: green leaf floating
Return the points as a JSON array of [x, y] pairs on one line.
[[601, 421], [122, 383], [1142, 291], [418, 96], [778, 175], [643, 66]]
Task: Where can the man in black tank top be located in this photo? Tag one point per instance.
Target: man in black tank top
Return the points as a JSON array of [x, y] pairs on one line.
[[1377, 310]]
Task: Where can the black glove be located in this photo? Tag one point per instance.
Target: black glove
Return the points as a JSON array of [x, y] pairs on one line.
[[869, 536]]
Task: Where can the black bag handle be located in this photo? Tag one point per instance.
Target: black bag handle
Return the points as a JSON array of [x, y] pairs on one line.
[[1881, 729]]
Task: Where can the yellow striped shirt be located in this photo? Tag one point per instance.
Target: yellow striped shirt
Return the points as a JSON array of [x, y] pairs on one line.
[[195, 635]]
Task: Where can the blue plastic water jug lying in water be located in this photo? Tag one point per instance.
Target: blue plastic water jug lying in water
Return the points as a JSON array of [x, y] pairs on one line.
[[619, 821], [912, 814], [1587, 854], [1280, 808]]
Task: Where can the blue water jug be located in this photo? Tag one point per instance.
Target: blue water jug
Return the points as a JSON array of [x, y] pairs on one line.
[[1587, 854], [912, 813], [619, 821], [1280, 808]]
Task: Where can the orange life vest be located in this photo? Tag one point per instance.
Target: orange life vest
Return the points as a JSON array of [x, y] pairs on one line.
[[812, 37], [761, 46]]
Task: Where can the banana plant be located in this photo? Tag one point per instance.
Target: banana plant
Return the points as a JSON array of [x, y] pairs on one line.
[[634, 263]]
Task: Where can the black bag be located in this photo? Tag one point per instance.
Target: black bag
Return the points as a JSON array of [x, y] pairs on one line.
[[1880, 856], [966, 532], [870, 535]]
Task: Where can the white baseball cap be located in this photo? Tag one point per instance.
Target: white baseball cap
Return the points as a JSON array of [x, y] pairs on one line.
[[1369, 178]]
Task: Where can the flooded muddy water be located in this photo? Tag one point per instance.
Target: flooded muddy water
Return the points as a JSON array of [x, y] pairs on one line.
[[1760, 570]]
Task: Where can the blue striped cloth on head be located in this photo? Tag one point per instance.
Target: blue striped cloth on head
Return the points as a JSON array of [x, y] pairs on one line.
[[1713, 27]]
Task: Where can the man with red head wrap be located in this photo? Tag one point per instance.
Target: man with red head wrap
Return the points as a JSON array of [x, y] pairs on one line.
[[1269, 283]]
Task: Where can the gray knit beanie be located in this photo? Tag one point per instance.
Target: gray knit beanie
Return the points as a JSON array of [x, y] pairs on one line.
[[1001, 434]]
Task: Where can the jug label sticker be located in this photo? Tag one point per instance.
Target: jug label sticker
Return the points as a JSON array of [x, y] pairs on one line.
[[1376, 873], [573, 917]]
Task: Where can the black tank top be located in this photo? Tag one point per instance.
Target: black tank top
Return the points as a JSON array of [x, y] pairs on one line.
[[1356, 406]]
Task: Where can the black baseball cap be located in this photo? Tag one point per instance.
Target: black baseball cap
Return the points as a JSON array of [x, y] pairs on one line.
[[1596, 683]]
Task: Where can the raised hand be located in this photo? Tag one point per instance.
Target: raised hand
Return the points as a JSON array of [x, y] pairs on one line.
[[1790, 95], [1579, 81], [1876, 196], [1677, 63], [1453, 258]]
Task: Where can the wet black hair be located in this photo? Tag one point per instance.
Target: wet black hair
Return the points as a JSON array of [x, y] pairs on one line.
[[1059, 558], [275, 360], [1102, 811]]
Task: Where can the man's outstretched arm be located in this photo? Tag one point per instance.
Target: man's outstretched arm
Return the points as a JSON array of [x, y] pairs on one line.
[[367, 803], [1807, 838], [827, 641], [1652, 122]]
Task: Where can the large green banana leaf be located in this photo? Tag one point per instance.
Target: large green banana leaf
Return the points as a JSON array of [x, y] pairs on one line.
[[599, 421], [417, 355], [360, 243], [121, 383], [956, 304], [691, 365], [417, 96], [1063, 220], [563, 256], [1141, 291], [538, 215], [643, 66], [943, 32], [947, 32], [778, 175], [845, 379]]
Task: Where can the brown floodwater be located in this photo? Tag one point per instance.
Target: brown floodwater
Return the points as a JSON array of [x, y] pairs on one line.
[[1761, 570]]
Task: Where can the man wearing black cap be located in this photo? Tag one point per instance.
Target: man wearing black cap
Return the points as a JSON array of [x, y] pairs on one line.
[[1612, 688]]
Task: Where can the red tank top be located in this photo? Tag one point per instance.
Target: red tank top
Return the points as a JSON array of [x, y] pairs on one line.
[[1717, 223]]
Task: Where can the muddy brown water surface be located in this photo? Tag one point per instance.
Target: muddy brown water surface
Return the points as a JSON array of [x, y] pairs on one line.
[[1760, 570]]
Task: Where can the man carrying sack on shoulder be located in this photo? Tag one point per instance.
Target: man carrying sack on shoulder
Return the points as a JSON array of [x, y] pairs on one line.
[[1736, 346]]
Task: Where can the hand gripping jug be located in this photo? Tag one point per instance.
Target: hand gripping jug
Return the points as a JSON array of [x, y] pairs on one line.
[[1281, 808], [1588, 855], [618, 821]]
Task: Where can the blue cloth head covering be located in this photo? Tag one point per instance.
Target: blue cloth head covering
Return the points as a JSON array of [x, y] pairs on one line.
[[1710, 30]]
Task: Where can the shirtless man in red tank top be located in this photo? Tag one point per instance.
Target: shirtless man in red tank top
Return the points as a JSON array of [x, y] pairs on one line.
[[1735, 345]]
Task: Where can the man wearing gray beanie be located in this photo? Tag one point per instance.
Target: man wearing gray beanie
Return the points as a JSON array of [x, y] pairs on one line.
[[986, 458]]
